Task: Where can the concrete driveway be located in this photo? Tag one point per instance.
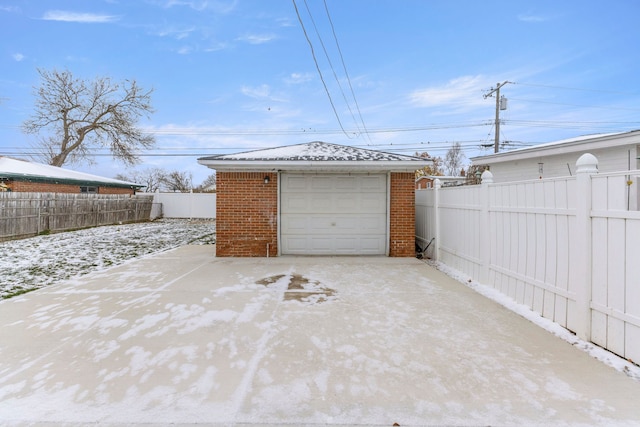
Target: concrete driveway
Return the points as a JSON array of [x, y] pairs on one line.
[[186, 338]]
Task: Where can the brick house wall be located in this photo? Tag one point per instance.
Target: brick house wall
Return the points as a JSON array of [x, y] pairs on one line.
[[246, 214], [45, 187], [402, 217], [115, 190]]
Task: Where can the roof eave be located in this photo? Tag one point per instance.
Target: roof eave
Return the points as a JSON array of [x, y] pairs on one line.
[[315, 166], [71, 181], [590, 143]]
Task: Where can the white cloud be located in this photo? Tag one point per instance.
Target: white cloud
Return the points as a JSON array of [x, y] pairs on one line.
[[257, 38], [530, 17], [466, 90], [262, 91], [177, 33], [297, 78], [217, 6], [18, 57], [65, 16]]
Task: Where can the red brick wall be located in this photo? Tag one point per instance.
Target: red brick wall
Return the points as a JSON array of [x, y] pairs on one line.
[[246, 214], [43, 187], [115, 190], [403, 215]]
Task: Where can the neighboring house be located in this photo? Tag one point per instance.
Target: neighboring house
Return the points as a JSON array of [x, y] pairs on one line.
[[315, 199], [24, 176], [427, 181], [615, 152]]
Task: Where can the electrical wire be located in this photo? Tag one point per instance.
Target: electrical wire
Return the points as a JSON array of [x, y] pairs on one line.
[[335, 75], [315, 60], [574, 88], [346, 73], [576, 105]]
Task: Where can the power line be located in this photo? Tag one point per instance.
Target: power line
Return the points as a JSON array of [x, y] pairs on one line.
[[326, 54], [315, 60], [577, 105], [344, 67], [574, 88]]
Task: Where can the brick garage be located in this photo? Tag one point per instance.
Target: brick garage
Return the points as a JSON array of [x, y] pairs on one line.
[[315, 199]]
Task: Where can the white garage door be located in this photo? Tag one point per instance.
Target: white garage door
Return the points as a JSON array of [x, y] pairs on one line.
[[333, 214]]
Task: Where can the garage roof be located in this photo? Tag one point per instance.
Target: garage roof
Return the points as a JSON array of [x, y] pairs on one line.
[[316, 156]]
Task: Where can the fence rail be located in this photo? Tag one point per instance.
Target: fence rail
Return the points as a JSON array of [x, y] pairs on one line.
[[568, 248], [30, 214]]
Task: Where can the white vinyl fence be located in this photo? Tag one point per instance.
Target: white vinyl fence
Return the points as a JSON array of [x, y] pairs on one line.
[[183, 205], [568, 248]]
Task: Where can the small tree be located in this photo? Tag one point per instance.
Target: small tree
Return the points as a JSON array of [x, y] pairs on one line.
[[208, 185], [474, 172], [453, 159], [82, 116], [177, 181], [150, 177], [433, 170]]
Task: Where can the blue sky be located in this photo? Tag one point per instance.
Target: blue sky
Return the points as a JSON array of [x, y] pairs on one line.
[[232, 76]]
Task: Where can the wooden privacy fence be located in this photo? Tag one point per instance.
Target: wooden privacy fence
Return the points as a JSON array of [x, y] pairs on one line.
[[568, 248], [29, 214]]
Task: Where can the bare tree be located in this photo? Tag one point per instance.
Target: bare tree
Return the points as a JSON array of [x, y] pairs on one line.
[[150, 177], [208, 185], [78, 117], [177, 181], [453, 160]]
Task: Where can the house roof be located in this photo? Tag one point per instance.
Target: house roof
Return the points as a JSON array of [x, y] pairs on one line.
[[578, 144], [315, 155], [30, 171]]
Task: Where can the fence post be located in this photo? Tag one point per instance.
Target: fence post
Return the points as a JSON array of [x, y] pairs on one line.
[[586, 166], [437, 184], [485, 240]]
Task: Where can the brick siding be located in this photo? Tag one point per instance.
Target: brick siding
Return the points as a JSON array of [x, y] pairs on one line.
[[44, 187], [402, 217], [246, 214]]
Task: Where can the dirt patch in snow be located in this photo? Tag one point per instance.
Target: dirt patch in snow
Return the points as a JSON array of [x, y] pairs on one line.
[[301, 289]]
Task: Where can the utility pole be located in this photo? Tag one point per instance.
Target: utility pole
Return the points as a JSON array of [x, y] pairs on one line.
[[496, 145]]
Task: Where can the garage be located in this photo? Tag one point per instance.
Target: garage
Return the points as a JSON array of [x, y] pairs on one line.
[[315, 198], [333, 214]]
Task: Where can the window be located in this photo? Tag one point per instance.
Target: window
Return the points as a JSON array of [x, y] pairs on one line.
[[87, 189]]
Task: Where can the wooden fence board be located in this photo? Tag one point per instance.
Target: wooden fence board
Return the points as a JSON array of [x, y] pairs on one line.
[[29, 214]]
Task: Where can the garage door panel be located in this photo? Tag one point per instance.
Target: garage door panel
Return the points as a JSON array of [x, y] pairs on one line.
[[321, 183], [333, 214], [373, 183], [373, 203], [296, 203], [318, 224], [295, 182], [349, 183]]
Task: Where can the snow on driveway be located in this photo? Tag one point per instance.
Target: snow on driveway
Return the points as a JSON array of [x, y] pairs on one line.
[[33, 263], [185, 338]]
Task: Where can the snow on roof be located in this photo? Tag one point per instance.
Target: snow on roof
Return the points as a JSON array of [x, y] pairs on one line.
[[27, 169], [316, 151], [584, 139]]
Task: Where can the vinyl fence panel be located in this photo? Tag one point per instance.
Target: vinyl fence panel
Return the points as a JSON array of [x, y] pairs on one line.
[[568, 249]]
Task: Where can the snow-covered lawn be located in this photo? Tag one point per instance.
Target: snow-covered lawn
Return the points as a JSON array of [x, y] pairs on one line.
[[36, 262]]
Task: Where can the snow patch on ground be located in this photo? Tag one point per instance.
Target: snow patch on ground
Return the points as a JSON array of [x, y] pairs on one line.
[[36, 262], [594, 351]]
